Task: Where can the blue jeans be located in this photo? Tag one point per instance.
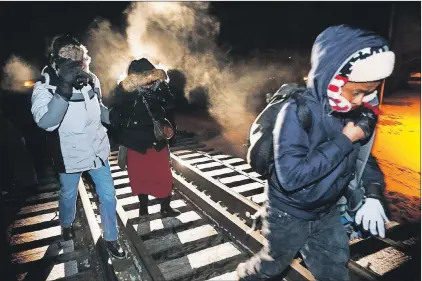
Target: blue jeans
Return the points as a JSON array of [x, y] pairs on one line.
[[323, 244], [106, 193]]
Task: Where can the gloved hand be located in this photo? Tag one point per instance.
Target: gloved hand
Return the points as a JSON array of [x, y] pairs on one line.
[[372, 216], [68, 72], [82, 80], [366, 119], [150, 95]]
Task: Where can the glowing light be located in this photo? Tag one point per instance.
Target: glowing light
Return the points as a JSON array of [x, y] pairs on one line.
[[29, 84], [165, 8], [397, 145], [415, 75]]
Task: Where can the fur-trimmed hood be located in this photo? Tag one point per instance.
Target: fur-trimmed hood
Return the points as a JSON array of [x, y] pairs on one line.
[[143, 80]]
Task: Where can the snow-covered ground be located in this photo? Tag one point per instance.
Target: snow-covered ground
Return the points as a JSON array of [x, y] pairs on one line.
[[397, 148], [397, 144]]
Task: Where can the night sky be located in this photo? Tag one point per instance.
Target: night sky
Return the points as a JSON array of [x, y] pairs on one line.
[[245, 26]]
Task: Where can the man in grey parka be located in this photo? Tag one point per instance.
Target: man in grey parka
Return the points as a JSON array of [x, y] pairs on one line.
[[67, 103]]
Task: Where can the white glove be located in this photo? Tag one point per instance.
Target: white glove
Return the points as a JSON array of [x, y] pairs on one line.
[[373, 216]]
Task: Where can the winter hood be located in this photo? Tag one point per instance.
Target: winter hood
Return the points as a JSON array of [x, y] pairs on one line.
[[341, 54]]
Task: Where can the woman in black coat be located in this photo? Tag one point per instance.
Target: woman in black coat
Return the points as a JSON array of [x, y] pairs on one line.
[[147, 162]]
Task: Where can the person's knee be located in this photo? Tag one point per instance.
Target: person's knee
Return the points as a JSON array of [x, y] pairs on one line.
[[335, 272], [68, 193], [107, 196], [105, 189], [324, 267]]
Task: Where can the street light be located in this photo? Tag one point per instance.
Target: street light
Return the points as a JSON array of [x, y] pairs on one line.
[[29, 84]]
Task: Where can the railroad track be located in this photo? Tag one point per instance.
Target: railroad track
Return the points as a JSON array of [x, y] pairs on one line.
[[187, 247], [37, 251], [216, 194]]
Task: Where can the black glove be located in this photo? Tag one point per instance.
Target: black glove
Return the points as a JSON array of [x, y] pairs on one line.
[[150, 95], [82, 80], [153, 96], [68, 72], [366, 119]]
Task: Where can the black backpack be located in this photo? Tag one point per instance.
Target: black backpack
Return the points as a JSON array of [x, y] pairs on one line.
[[260, 152]]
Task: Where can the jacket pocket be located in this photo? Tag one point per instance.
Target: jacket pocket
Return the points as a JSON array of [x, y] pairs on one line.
[[77, 152]]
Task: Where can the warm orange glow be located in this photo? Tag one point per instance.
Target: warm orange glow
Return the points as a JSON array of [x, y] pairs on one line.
[[415, 75], [29, 84], [397, 144]]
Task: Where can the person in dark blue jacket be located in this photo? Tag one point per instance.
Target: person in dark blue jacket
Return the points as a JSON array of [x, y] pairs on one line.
[[312, 170]]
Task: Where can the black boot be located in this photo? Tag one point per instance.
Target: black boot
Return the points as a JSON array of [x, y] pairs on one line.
[[68, 233], [115, 249], [143, 205], [166, 210]]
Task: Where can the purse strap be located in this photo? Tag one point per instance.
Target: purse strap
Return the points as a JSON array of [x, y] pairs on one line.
[[154, 121], [146, 105]]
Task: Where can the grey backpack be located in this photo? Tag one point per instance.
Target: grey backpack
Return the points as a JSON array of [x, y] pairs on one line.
[[260, 141]]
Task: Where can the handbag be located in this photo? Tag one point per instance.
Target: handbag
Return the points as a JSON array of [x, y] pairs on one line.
[[122, 157], [163, 130]]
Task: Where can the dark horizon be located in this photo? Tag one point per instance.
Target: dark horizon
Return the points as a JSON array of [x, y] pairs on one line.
[[244, 26]]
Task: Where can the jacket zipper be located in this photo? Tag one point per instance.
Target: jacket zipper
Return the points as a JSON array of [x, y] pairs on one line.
[[133, 113], [85, 103]]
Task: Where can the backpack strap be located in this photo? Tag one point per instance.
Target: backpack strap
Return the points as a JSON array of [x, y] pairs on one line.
[[355, 190], [303, 113], [364, 152]]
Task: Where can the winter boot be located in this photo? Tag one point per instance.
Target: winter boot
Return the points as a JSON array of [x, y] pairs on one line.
[[166, 210], [68, 233], [115, 249]]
